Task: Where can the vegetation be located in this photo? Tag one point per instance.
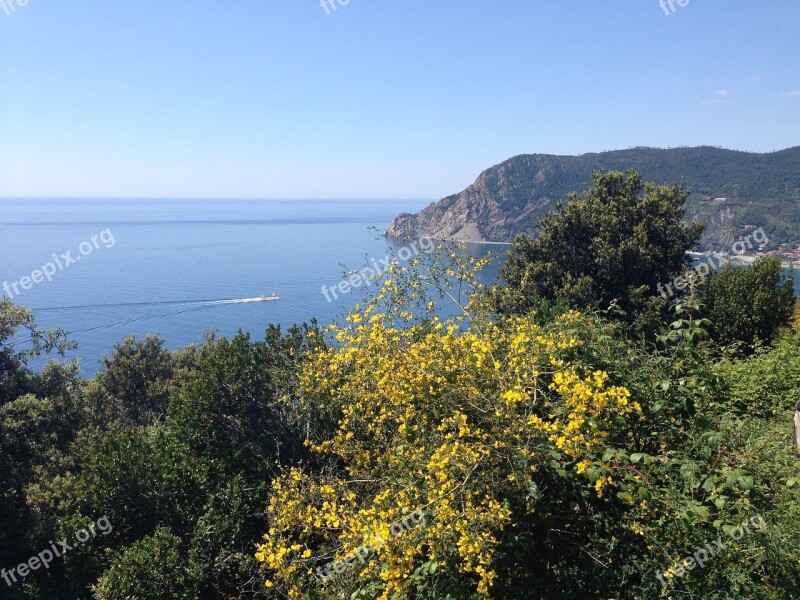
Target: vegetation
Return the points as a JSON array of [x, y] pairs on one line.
[[177, 450], [616, 244], [533, 445], [511, 197], [748, 306]]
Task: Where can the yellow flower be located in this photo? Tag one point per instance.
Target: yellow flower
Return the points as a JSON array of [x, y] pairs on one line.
[[455, 416], [602, 482]]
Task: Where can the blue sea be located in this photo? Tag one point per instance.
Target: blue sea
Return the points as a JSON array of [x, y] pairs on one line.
[[180, 268]]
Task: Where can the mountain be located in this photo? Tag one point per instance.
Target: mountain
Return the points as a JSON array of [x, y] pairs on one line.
[[731, 190]]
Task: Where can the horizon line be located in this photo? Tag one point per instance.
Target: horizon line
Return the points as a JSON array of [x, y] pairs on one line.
[[218, 198]]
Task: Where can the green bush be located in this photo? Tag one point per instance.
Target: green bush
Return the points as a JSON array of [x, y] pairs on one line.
[[615, 244], [152, 567], [747, 306]]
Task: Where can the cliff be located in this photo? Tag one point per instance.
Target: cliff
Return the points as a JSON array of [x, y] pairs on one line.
[[728, 189]]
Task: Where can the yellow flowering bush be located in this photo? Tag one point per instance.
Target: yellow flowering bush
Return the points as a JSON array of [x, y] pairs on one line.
[[452, 417]]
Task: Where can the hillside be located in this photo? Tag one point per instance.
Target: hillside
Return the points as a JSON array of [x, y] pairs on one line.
[[758, 189]]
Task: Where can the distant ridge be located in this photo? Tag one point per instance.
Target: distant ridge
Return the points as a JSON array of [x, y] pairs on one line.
[[729, 189]]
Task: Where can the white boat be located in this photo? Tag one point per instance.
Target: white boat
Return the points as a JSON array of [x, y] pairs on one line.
[[268, 297]]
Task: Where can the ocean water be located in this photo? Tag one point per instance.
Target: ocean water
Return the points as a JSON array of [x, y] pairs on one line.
[[180, 268]]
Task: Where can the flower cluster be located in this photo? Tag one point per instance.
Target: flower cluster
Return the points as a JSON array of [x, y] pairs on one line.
[[456, 417]]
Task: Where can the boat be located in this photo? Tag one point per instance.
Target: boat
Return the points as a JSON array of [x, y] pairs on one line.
[[268, 297]]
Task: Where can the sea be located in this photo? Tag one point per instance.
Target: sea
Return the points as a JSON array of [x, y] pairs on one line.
[[105, 269]]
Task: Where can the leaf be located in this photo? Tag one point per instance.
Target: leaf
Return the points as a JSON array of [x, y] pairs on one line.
[[732, 477]]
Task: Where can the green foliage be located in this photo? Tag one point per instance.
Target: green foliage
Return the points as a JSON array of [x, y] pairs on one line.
[[181, 450], [152, 567], [767, 383], [689, 327], [175, 449], [615, 244], [136, 380], [747, 306], [39, 414], [21, 340], [221, 545], [228, 412], [510, 198], [711, 450], [200, 474]]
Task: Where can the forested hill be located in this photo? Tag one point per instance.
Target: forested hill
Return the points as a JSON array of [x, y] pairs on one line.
[[509, 198]]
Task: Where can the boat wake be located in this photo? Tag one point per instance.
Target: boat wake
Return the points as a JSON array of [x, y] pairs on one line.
[[177, 307], [244, 300], [164, 303]]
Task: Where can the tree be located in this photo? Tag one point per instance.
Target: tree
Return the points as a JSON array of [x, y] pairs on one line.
[[747, 306], [37, 417], [616, 243], [136, 379], [151, 568], [21, 340], [199, 477]]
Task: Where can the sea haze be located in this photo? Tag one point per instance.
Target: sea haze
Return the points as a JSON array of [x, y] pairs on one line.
[[182, 267]]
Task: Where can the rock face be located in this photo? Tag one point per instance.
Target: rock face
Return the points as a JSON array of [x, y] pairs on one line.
[[491, 209], [509, 198]]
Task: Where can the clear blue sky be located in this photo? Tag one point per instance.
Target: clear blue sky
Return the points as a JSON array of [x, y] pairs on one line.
[[381, 99]]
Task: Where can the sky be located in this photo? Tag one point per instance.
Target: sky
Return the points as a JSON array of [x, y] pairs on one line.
[[377, 99]]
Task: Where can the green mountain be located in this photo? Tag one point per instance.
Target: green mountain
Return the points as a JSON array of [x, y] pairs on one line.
[[732, 191]]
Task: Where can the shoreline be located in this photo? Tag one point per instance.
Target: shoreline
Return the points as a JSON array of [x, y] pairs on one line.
[[741, 258], [458, 240], [735, 258]]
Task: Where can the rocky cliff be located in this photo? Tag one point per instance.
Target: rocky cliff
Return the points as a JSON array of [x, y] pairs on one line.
[[728, 189]]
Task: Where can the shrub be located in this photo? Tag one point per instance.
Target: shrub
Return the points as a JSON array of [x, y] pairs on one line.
[[747, 306], [547, 460]]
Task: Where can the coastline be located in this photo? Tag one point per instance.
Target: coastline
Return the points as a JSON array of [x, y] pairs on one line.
[[741, 258], [458, 240]]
